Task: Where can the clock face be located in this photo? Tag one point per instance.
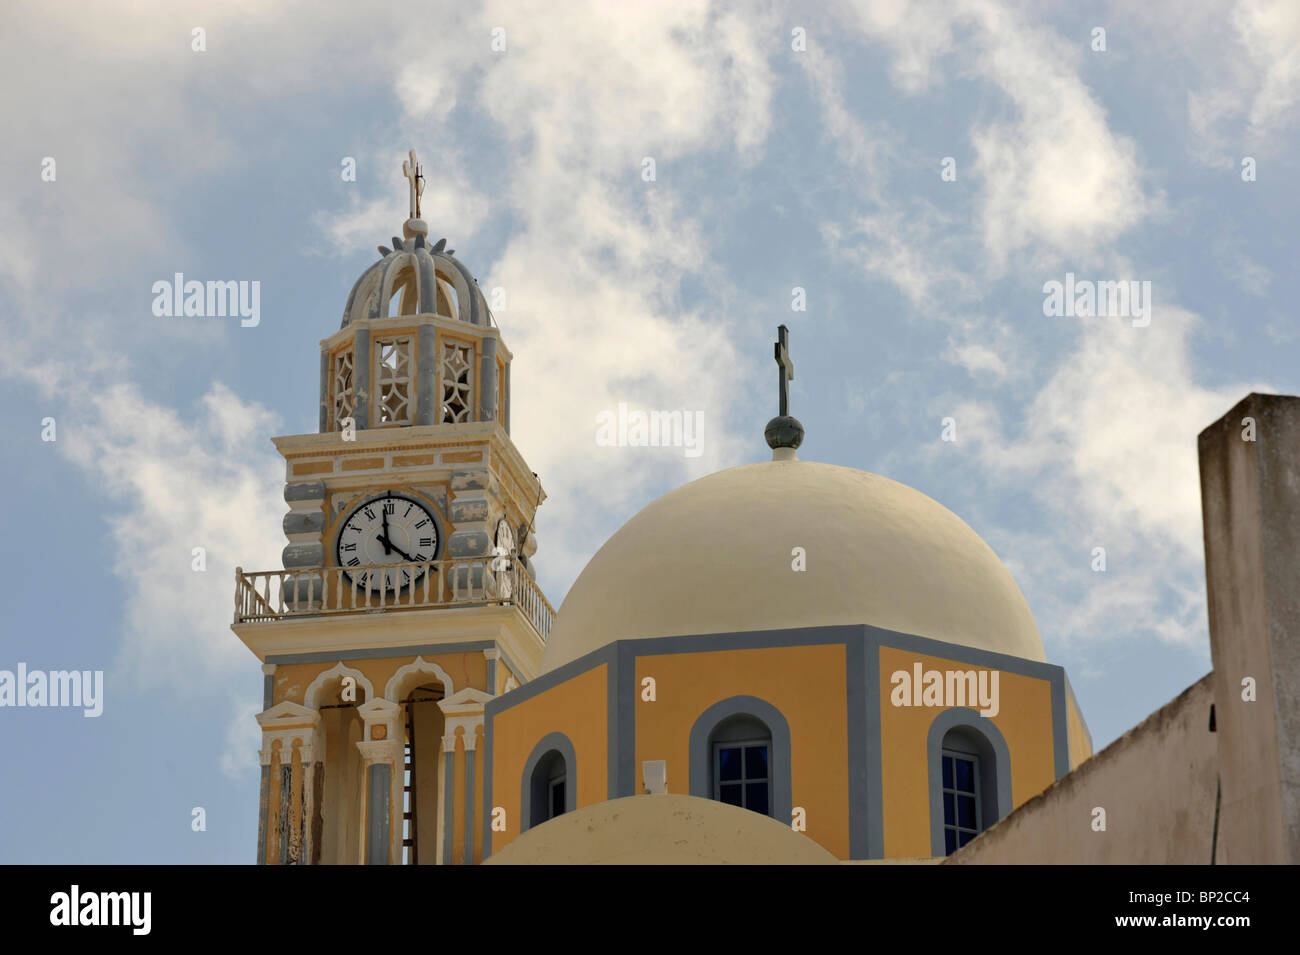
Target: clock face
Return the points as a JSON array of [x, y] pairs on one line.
[[387, 530]]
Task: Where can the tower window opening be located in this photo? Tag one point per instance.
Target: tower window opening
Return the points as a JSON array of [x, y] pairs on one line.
[[420, 817]]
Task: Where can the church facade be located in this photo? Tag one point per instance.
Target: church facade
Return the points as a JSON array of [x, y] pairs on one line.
[[786, 661]]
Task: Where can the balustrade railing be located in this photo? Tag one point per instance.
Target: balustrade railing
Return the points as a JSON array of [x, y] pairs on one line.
[[460, 582]]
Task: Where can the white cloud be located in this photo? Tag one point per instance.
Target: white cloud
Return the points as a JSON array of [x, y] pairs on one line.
[[175, 481], [1270, 32], [1109, 444], [596, 257], [243, 739]]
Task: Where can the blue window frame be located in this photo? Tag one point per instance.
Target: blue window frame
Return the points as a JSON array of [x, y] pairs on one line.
[[742, 775], [961, 799]]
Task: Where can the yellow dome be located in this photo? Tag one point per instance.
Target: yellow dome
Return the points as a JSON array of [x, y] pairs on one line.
[[715, 556]]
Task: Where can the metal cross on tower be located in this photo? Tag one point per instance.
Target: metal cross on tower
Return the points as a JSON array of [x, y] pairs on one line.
[[786, 368], [411, 170]]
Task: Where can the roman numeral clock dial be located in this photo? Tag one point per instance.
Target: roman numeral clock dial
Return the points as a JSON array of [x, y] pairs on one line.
[[387, 530]]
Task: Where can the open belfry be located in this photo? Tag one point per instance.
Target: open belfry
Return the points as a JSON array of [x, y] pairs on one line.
[[781, 662]]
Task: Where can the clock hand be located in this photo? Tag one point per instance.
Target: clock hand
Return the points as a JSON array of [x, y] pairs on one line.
[[383, 538], [387, 544]]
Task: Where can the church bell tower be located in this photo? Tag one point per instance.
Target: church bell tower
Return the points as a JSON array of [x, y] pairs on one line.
[[407, 599]]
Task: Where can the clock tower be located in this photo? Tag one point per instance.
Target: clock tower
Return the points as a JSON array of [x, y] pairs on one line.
[[407, 599]]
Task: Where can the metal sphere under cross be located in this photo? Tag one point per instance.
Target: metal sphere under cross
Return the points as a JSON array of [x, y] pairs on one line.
[[786, 367], [411, 170]]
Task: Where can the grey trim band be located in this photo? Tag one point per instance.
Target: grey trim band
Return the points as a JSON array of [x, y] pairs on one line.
[[551, 742], [377, 811], [778, 767], [361, 360], [487, 786], [986, 730], [448, 806], [856, 697], [622, 729], [469, 807], [426, 364], [324, 389]]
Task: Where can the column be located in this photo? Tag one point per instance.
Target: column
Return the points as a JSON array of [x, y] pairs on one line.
[[448, 797], [428, 400], [290, 742], [463, 712], [487, 380], [381, 759]]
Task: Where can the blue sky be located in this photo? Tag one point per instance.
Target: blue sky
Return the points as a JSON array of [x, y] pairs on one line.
[[776, 168]]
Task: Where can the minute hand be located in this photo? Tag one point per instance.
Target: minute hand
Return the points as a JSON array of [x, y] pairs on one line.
[[389, 544]]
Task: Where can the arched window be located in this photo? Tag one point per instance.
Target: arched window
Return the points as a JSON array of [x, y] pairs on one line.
[[741, 749], [550, 781], [740, 754], [425, 726], [970, 778]]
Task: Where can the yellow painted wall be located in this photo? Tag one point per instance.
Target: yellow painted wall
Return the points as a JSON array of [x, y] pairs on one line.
[[578, 708], [1080, 748], [1024, 719], [807, 684]]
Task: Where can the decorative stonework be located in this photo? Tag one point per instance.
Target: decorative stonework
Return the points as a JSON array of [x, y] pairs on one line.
[[393, 380], [288, 723], [312, 698], [457, 385], [419, 665], [464, 714], [381, 712], [343, 388]]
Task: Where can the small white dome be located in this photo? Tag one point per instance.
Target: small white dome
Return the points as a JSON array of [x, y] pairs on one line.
[[715, 556], [429, 280]]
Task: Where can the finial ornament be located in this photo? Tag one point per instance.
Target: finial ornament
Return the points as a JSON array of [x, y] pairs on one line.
[[411, 170], [783, 431]]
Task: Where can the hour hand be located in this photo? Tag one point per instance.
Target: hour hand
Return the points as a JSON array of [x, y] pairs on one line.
[[390, 545]]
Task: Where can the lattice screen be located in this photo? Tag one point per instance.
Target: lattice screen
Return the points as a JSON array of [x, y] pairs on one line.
[[393, 379], [345, 400], [457, 363]]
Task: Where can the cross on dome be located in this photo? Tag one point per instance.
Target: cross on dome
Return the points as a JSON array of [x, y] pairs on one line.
[[787, 368], [411, 170], [783, 433]]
